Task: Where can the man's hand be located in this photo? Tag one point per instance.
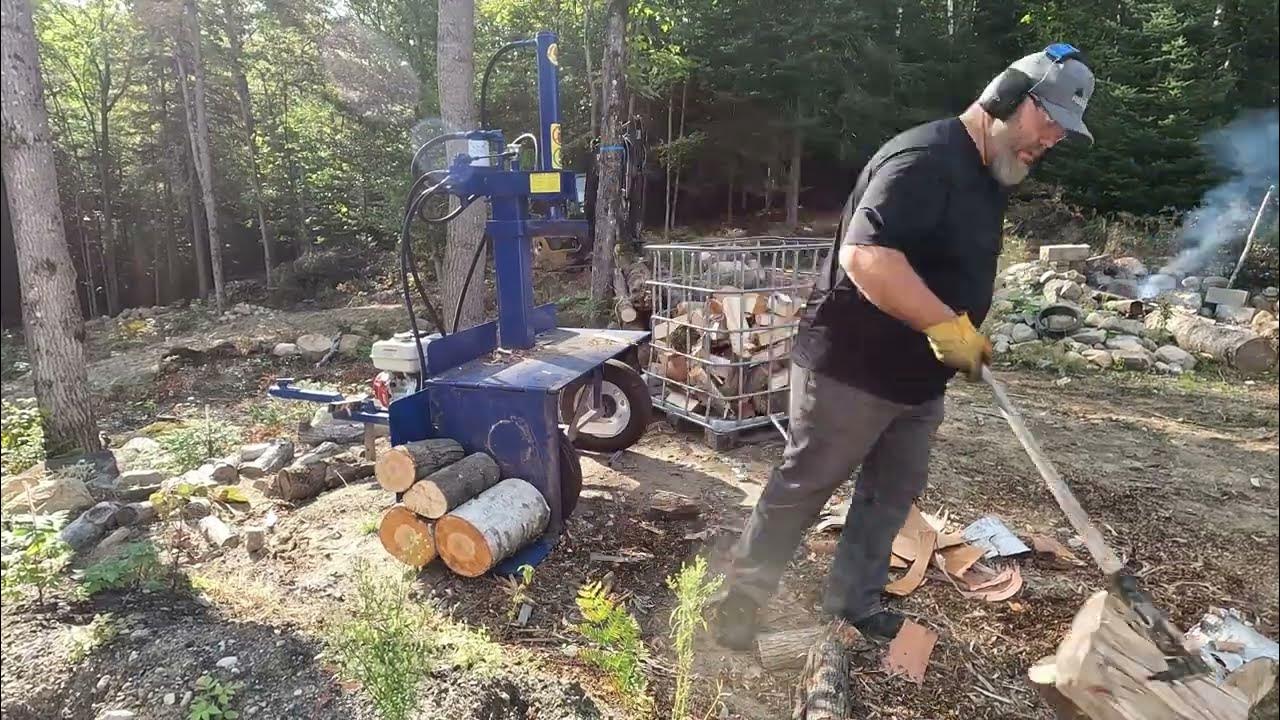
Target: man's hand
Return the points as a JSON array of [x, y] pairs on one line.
[[958, 344]]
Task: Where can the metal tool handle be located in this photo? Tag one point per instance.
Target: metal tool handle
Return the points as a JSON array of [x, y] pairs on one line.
[[1102, 554]]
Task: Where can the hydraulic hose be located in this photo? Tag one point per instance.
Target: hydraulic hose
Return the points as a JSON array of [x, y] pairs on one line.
[[488, 70], [466, 283], [408, 267]]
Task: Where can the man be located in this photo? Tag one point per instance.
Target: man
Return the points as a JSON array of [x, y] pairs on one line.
[[893, 318]]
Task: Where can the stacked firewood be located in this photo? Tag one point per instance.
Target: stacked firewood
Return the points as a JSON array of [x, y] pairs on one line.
[[452, 505], [728, 356]]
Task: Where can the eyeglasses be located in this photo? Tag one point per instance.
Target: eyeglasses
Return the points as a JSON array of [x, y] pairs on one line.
[[1050, 124]]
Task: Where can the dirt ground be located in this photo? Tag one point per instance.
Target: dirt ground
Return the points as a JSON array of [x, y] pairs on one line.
[[1181, 473]]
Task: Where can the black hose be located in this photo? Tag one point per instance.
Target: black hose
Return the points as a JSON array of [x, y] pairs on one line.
[[407, 268], [488, 70], [466, 283], [424, 147]]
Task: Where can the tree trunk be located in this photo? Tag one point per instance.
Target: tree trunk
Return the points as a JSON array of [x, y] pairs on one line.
[[452, 485], [110, 262], [407, 537], [666, 193], [608, 208], [402, 465], [235, 55], [455, 55], [199, 131], [492, 527], [675, 190], [51, 317], [1242, 349], [586, 57], [199, 245], [793, 179]]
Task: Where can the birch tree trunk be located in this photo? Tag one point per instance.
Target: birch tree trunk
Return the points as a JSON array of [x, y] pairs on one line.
[[51, 312], [198, 129], [608, 207], [455, 55]]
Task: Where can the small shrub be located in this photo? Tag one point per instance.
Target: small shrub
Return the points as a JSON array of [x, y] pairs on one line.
[[384, 643], [213, 699], [136, 564], [88, 638], [517, 589], [134, 331], [617, 647], [32, 555], [14, 362], [277, 417], [369, 525], [21, 436], [189, 446], [693, 591]]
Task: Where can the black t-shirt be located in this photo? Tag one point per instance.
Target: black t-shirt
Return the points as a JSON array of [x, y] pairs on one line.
[[927, 194]]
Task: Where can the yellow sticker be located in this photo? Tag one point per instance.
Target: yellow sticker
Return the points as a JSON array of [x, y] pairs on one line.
[[553, 54], [544, 182], [556, 154]]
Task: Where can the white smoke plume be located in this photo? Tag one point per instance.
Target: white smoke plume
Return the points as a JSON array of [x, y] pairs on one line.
[[1247, 152]]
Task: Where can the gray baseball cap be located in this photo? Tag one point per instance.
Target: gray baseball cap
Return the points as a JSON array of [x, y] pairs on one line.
[[1062, 87]]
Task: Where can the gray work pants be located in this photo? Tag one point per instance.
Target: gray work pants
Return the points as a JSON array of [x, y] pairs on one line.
[[835, 429]]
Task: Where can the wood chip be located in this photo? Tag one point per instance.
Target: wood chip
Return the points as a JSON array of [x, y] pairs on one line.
[[909, 652]]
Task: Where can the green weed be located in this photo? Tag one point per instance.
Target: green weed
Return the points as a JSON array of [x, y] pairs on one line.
[[213, 699], [32, 555], [616, 645], [21, 436], [693, 590], [88, 638], [135, 564], [277, 417], [517, 589], [189, 446], [369, 525]]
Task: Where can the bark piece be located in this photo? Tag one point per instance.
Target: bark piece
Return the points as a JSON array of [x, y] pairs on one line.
[[823, 692], [452, 485], [909, 652], [665, 505], [908, 583], [218, 533], [997, 587], [958, 559], [1240, 348], [491, 527], [90, 526], [407, 537], [787, 649], [1053, 553], [273, 457], [402, 465]]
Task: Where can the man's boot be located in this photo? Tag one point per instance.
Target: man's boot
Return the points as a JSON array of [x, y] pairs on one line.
[[735, 621]]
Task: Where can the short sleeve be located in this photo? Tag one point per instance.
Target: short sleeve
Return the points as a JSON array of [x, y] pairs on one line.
[[902, 204]]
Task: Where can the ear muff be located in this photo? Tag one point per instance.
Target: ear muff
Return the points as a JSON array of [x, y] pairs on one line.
[[1001, 97]]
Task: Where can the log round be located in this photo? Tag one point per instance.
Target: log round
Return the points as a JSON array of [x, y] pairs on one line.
[[1242, 349], [491, 527], [451, 486], [406, 536], [402, 465]]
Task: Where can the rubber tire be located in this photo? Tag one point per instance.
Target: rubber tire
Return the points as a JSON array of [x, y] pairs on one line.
[[570, 476], [632, 385]]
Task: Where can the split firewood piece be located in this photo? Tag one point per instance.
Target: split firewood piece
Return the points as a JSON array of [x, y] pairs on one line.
[[823, 692], [491, 527], [451, 485], [275, 456], [721, 368], [735, 321], [788, 649], [755, 304], [663, 329], [217, 532], [785, 305], [683, 402], [908, 583], [407, 537], [404, 464], [909, 652], [1102, 650]]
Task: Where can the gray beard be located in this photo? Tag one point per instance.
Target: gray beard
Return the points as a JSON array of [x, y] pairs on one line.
[[1007, 169]]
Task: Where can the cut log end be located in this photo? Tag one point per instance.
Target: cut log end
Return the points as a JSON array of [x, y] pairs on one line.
[[491, 527], [464, 548], [407, 537], [395, 471], [426, 499]]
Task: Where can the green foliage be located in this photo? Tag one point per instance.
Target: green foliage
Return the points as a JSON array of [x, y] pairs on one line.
[[190, 445], [134, 564], [693, 590], [85, 639], [21, 436], [14, 361], [32, 555], [617, 648], [277, 417], [384, 643], [517, 589], [213, 699]]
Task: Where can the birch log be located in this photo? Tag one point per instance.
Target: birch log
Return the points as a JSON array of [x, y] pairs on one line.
[[217, 532], [1242, 349], [491, 527], [405, 464], [787, 649], [406, 536], [451, 486], [273, 458]]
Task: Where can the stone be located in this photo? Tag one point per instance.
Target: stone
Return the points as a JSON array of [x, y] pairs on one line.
[[1005, 329], [1074, 359], [139, 449], [48, 493], [1214, 281], [1226, 296], [349, 345], [1138, 359], [1262, 302], [1100, 358], [117, 715], [1022, 333], [1000, 344], [1075, 276], [249, 453], [1191, 282], [1046, 276], [1205, 312], [187, 697], [1061, 323], [1074, 347], [1189, 299], [1125, 342], [242, 309], [1124, 287], [1157, 284], [1167, 369], [1090, 336], [1233, 314], [138, 485], [1064, 253], [103, 682], [1174, 356], [227, 662], [1271, 292], [255, 537], [103, 462], [1001, 307], [285, 349], [197, 508], [1131, 266], [1058, 290], [170, 698]]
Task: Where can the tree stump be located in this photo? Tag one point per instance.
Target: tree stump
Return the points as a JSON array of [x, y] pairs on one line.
[[491, 527], [405, 464], [451, 486]]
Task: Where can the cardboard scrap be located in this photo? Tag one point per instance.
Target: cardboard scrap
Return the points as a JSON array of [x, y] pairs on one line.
[[981, 583], [907, 584], [909, 652], [918, 521], [957, 560], [990, 534]]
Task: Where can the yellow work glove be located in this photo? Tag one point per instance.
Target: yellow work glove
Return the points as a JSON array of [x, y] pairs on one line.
[[958, 344]]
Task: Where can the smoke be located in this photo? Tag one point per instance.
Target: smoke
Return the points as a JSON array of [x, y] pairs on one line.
[[1247, 152]]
